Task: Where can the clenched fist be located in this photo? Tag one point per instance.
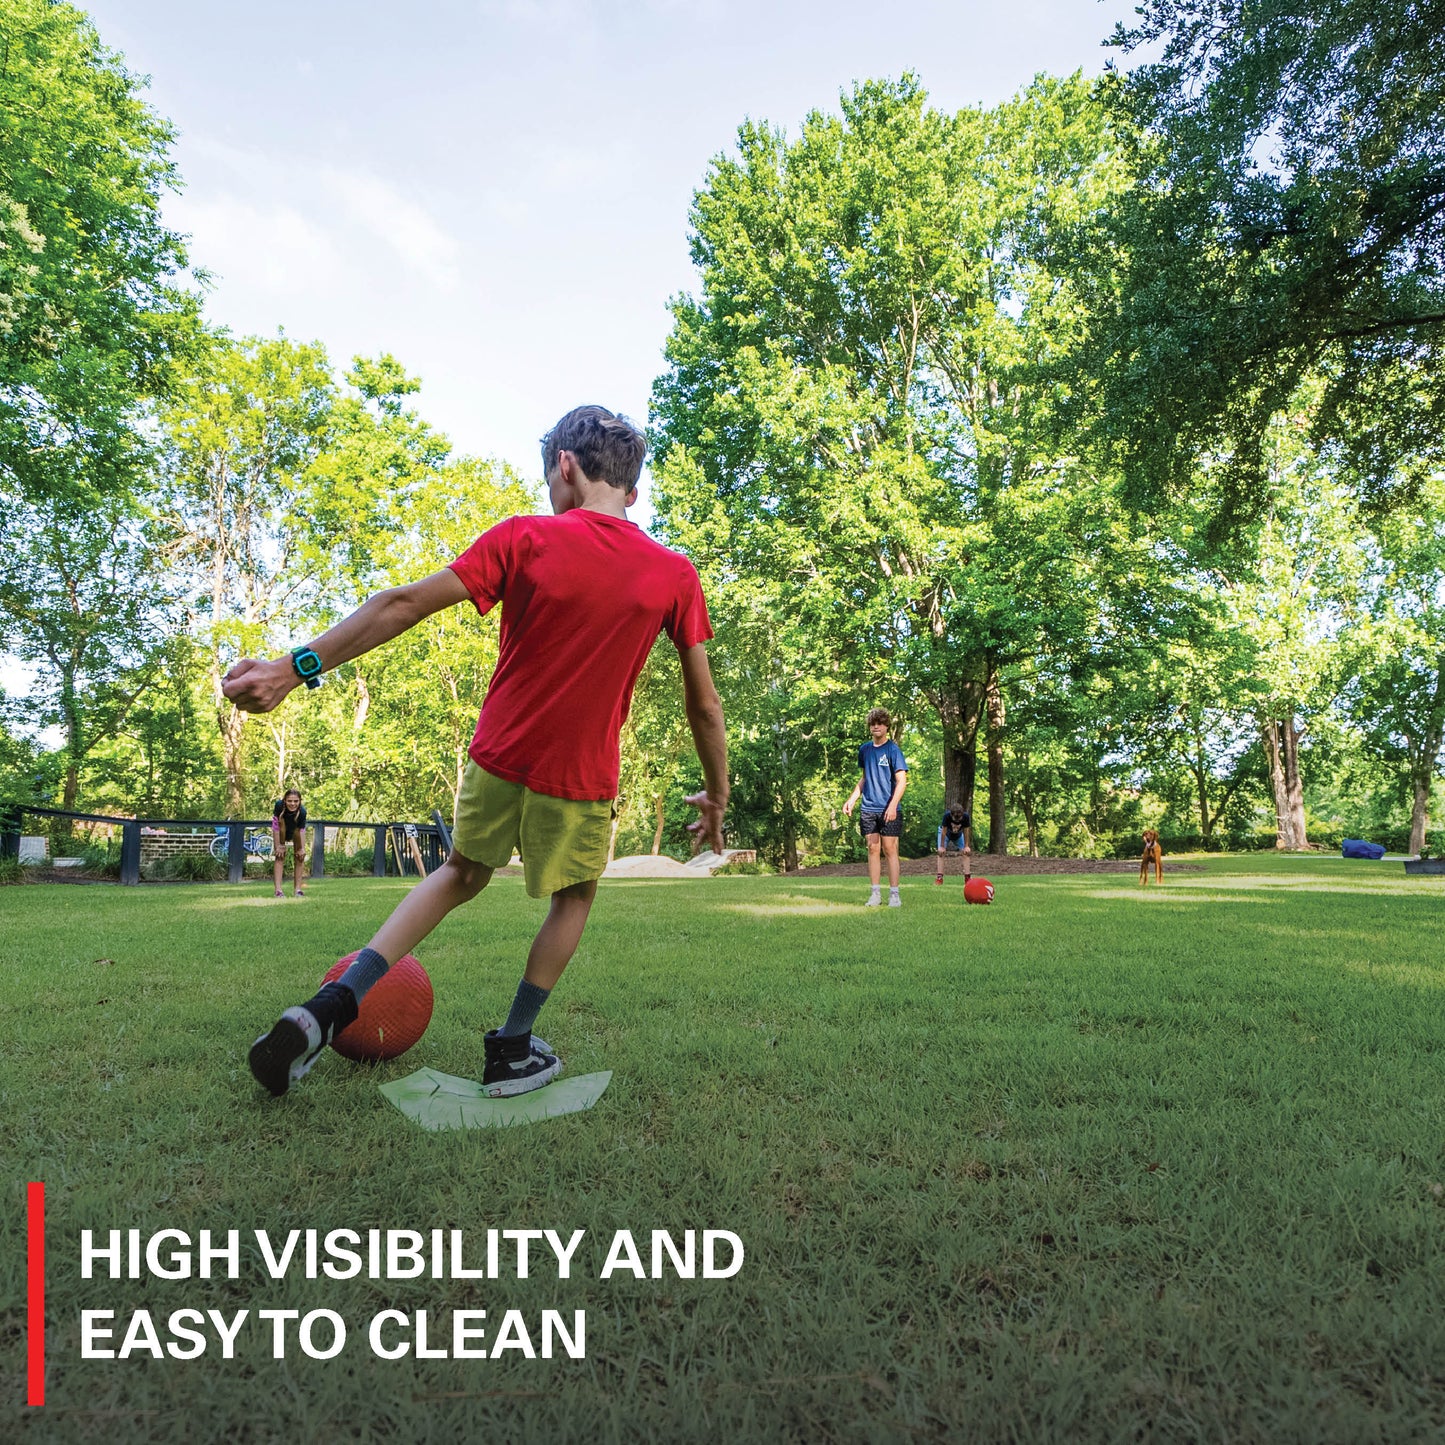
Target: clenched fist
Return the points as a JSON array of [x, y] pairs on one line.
[[257, 686]]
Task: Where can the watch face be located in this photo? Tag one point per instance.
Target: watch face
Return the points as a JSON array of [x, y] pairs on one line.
[[307, 663]]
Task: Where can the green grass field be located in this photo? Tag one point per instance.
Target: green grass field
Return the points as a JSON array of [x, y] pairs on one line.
[[1093, 1164]]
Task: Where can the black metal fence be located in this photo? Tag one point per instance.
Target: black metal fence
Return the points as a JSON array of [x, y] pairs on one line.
[[391, 841]]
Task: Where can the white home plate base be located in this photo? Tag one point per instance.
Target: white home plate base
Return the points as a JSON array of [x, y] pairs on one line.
[[443, 1101]]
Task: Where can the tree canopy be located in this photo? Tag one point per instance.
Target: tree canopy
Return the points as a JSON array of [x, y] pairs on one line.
[[1286, 222], [1095, 433], [93, 308]]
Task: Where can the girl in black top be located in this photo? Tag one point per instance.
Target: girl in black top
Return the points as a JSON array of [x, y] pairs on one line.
[[955, 831], [288, 825]]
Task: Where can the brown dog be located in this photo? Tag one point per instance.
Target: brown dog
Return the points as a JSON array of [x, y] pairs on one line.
[[1154, 854]]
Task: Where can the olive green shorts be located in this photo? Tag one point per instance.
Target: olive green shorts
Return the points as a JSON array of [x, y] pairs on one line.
[[562, 841]]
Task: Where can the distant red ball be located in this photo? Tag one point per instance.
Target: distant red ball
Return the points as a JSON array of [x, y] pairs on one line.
[[394, 1014], [978, 890]]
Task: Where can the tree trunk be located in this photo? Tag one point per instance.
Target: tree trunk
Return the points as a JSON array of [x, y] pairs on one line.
[[1423, 761], [1199, 767], [1201, 789], [72, 789], [659, 800], [959, 711], [231, 721], [1294, 787], [790, 826], [1031, 822], [997, 798], [1281, 749], [278, 734], [1284, 828], [790, 842], [1420, 815], [74, 751]]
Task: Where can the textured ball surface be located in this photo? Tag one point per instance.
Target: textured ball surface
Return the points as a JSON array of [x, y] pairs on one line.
[[978, 890], [393, 1015]]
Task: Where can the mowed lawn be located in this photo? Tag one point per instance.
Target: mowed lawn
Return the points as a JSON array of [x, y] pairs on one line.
[[1091, 1164]]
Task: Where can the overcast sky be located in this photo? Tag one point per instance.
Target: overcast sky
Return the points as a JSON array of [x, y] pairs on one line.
[[497, 191]]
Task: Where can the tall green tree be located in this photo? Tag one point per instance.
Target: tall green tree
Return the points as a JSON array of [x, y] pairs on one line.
[[243, 433], [93, 309], [1295, 594], [1400, 695], [1197, 739], [282, 485], [412, 706], [83, 598], [1287, 221], [851, 402]]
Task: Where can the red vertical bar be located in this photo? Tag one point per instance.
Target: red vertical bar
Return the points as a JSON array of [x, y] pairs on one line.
[[35, 1319]]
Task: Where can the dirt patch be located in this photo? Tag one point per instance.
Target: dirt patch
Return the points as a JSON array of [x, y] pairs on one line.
[[990, 866]]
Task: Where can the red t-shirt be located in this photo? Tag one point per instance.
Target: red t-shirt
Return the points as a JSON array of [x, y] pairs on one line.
[[583, 596]]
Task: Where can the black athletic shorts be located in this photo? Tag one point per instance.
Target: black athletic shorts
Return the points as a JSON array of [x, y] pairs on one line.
[[877, 823]]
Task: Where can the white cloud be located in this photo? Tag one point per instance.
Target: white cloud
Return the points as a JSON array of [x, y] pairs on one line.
[[423, 246], [273, 248], [285, 223]]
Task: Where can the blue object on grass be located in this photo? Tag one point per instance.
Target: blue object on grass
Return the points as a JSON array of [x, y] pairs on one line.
[[1358, 848]]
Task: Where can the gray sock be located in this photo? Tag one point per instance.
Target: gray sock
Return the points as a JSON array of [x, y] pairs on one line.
[[525, 1008], [365, 971]]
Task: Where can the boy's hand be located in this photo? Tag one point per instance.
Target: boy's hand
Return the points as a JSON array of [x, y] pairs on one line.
[[890, 812], [256, 686], [708, 824], [848, 808]]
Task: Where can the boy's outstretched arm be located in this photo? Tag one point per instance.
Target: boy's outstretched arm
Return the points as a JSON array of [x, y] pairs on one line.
[[257, 686], [705, 718]]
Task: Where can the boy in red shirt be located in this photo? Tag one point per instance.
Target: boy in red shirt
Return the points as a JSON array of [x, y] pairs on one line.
[[584, 594]]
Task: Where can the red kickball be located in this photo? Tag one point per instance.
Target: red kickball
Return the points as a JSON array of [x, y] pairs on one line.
[[394, 1014], [978, 890]]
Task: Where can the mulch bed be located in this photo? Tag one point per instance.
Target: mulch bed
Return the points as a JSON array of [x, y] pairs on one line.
[[990, 866]]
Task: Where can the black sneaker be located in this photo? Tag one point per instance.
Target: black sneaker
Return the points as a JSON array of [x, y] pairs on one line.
[[281, 1057], [516, 1065]]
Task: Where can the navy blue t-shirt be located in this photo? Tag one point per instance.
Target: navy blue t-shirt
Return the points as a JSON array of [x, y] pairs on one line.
[[879, 765]]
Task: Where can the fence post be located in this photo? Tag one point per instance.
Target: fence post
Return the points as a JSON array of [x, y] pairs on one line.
[[235, 852], [130, 851], [318, 851], [10, 833], [443, 832], [378, 856]]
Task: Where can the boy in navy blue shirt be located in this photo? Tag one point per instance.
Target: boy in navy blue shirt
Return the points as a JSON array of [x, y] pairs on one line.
[[885, 776]]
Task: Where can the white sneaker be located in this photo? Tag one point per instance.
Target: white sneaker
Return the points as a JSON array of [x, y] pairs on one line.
[[894, 901], [875, 899]]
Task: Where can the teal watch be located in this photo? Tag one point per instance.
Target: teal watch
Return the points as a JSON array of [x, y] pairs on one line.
[[307, 665]]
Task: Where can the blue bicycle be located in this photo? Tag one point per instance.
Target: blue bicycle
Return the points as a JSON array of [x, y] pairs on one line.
[[258, 845]]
